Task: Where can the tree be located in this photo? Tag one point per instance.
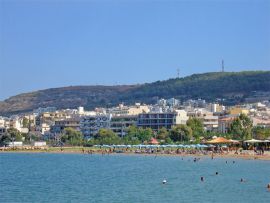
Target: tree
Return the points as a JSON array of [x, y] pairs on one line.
[[134, 133], [31, 137], [107, 136], [241, 127], [25, 122], [168, 140], [131, 136], [162, 134], [5, 139], [181, 133], [197, 127], [14, 134], [261, 132], [72, 137], [145, 134]]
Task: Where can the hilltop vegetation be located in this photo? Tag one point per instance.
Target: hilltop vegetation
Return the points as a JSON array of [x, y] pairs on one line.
[[232, 86], [208, 86]]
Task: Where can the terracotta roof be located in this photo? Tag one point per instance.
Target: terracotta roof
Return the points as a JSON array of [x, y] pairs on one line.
[[153, 141]]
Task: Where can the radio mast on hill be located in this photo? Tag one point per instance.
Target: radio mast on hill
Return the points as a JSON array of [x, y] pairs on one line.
[[178, 72], [222, 64]]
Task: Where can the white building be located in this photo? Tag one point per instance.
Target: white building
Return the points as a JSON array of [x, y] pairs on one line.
[[210, 123], [39, 144], [15, 123], [2, 122], [181, 117], [15, 144], [43, 128], [128, 110], [173, 102]]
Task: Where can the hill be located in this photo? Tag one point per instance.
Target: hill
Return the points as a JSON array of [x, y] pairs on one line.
[[234, 87]]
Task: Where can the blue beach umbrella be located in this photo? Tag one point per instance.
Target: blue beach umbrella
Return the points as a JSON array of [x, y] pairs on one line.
[[204, 146]]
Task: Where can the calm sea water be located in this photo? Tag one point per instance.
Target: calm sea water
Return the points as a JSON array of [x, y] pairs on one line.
[[130, 178]]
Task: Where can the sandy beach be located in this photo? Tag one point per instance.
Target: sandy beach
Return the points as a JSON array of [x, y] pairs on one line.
[[246, 154]]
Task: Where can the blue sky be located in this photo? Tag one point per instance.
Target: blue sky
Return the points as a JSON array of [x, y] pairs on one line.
[[55, 43]]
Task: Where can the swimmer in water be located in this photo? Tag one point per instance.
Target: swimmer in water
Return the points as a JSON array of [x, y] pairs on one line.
[[202, 178], [216, 173]]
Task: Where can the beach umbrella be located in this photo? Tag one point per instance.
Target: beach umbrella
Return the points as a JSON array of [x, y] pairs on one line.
[[253, 141], [201, 146], [219, 140], [154, 141], [106, 146], [234, 141], [204, 146]]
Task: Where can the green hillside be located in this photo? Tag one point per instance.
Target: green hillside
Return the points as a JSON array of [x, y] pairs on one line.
[[232, 86]]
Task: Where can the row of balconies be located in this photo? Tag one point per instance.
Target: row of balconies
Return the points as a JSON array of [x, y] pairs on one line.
[[154, 124], [156, 117]]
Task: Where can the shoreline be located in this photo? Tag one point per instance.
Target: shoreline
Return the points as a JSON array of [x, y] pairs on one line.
[[265, 157]]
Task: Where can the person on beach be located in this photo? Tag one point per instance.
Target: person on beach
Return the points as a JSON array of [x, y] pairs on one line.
[[255, 150]]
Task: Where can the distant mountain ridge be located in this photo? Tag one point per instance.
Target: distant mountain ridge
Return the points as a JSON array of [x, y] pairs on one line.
[[232, 86]]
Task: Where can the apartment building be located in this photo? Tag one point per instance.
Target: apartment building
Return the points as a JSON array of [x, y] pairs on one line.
[[60, 125], [90, 125], [119, 124], [157, 121]]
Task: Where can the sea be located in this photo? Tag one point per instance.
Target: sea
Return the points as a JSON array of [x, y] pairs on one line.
[[119, 178]]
